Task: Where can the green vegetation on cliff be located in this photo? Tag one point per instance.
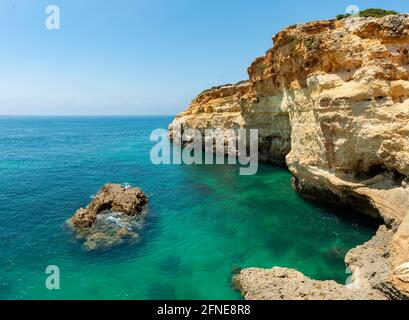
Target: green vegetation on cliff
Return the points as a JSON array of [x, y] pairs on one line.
[[372, 12]]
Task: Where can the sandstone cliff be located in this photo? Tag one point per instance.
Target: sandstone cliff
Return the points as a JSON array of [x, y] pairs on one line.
[[330, 100]]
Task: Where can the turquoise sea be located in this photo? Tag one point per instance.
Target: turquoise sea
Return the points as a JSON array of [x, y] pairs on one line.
[[204, 221]]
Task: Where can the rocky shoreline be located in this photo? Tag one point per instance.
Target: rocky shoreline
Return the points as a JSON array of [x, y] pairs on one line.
[[331, 102]]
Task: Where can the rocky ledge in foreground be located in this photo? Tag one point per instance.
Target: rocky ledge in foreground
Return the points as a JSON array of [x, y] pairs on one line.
[[112, 218], [374, 276], [287, 284]]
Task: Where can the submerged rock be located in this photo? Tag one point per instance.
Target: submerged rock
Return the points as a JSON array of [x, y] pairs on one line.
[[161, 291], [113, 217]]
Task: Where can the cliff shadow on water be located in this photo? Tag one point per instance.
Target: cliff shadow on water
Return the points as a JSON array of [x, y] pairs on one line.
[[263, 211]]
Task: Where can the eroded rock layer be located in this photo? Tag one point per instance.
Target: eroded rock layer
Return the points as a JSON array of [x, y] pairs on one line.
[[330, 100]]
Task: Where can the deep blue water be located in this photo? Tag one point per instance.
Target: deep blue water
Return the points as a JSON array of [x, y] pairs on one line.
[[204, 221]]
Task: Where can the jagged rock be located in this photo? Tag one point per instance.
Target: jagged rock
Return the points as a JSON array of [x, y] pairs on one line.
[[331, 101], [113, 217], [370, 264], [114, 197]]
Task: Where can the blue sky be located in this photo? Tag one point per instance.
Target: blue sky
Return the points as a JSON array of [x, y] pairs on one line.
[[139, 57]]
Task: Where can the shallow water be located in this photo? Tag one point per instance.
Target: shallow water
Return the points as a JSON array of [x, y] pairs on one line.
[[203, 223]]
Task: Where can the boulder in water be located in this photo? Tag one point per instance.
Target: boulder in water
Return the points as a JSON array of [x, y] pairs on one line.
[[112, 218]]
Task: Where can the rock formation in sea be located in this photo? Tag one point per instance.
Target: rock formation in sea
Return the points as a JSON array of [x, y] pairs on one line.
[[331, 102], [113, 217]]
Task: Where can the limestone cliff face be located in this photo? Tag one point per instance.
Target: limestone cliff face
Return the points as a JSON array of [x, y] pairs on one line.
[[331, 100], [234, 107]]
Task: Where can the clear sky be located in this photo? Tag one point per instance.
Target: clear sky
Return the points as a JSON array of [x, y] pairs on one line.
[[139, 57]]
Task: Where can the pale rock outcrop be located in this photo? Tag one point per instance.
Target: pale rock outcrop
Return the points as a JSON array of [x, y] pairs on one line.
[[287, 284], [331, 101]]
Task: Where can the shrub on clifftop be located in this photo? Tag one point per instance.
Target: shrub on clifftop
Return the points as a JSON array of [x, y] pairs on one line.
[[372, 12]]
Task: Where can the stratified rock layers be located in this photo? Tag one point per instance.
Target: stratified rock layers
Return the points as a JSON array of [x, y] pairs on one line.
[[330, 100]]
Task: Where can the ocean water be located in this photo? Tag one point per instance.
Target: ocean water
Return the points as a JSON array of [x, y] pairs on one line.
[[204, 222]]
